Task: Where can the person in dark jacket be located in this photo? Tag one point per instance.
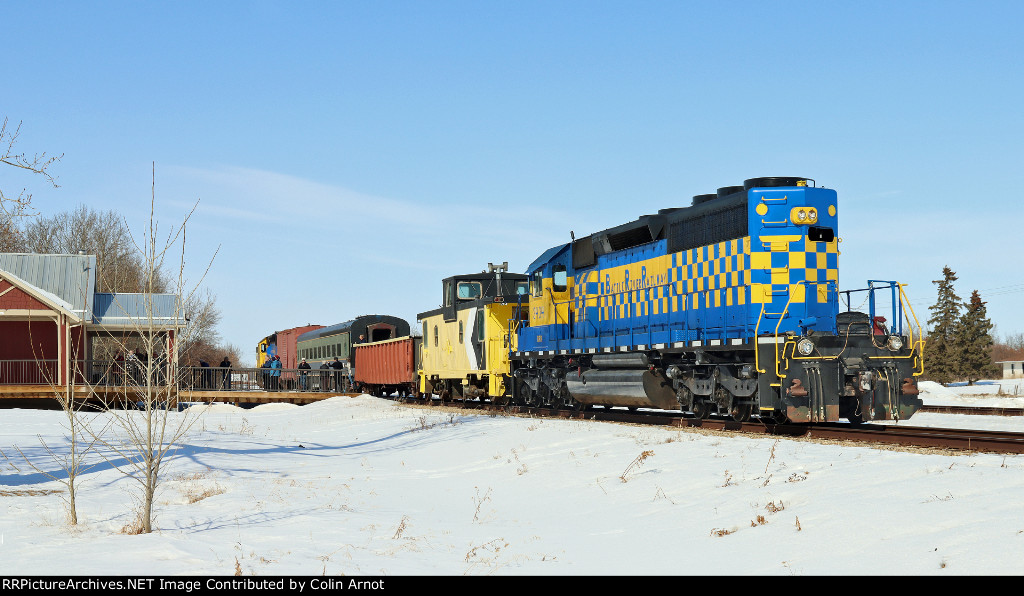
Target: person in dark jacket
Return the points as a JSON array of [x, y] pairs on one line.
[[265, 373], [337, 366], [303, 381], [325, 375], [225, 366]]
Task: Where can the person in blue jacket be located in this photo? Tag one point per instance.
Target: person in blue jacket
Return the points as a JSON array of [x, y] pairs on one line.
[[275, 374]]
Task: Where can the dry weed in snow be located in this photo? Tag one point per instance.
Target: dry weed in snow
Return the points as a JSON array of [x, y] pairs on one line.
[[636, 463]]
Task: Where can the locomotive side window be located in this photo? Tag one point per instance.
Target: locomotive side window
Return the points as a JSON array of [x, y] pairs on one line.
[[559, 279], [480, 325], [447, 293], [435, 336], [522, 288], [469, 290], [538, 284], [460, 332]]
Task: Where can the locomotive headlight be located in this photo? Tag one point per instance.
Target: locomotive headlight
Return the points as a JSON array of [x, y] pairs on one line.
[[805, 347], [803, 215], [895, 343]]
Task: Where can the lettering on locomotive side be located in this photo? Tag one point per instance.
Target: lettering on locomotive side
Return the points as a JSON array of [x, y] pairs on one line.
[[639, 283]]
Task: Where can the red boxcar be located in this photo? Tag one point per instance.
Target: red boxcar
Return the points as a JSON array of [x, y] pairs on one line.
[[389, 366], [286, 341]]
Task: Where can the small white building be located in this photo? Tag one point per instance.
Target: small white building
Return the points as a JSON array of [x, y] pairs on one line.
[[1012, 369]]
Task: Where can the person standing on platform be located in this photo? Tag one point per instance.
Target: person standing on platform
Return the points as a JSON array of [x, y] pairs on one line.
[[337, 366], [325, 376], [275, 373], [303, 381], [225, 366]]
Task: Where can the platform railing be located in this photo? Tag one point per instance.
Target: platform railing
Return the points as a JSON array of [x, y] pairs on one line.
[[120, 373], [28, 372]]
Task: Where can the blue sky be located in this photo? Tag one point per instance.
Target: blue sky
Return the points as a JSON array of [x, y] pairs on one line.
[[348, 155]]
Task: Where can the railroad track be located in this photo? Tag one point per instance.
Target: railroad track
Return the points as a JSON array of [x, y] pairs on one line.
[[974, 410], [940, 438]]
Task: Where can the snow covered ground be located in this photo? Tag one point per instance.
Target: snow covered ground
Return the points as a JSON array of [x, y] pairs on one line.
[[363, 486]]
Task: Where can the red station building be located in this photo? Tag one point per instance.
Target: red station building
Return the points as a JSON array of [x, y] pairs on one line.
[[51, 317]]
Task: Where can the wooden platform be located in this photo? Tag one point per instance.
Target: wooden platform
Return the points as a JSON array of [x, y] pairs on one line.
[[46, 393]]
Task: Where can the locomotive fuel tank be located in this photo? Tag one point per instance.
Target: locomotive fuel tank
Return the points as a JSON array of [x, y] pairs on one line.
[[635, 388]]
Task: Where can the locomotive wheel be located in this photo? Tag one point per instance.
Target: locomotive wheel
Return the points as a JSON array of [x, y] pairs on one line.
[[741, 412], [541, 396], [701, 409], [524, 395]]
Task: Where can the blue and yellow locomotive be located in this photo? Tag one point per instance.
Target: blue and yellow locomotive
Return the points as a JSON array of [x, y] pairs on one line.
[[730, 305]]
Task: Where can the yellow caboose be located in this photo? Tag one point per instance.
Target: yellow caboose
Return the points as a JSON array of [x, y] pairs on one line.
[[466, 342]]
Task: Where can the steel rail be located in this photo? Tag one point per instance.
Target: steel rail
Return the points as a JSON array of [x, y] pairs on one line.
[[974, 410], [940, 438]]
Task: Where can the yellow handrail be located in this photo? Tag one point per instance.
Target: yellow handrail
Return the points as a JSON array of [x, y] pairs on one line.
[[920, 342], [757, 347]]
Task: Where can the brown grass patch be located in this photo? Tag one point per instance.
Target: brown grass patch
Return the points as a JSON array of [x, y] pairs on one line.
[[29, 492]]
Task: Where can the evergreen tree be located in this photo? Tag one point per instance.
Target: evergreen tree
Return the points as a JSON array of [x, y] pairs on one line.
[[974, 342], [941, 353]]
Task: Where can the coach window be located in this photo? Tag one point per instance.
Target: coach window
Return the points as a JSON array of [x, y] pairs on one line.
[[559, 279], [460, 332], [469, 290]]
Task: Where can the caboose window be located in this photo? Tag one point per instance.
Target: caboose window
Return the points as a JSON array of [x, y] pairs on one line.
[[559, 279], [469, 290]]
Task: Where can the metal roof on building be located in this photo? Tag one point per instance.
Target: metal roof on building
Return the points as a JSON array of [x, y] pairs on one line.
[[69, 283], [136, 309], [72, 278]]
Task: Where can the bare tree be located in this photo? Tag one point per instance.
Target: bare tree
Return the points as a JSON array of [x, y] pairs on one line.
[[147, 438], [13, 206], [104, 234]]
